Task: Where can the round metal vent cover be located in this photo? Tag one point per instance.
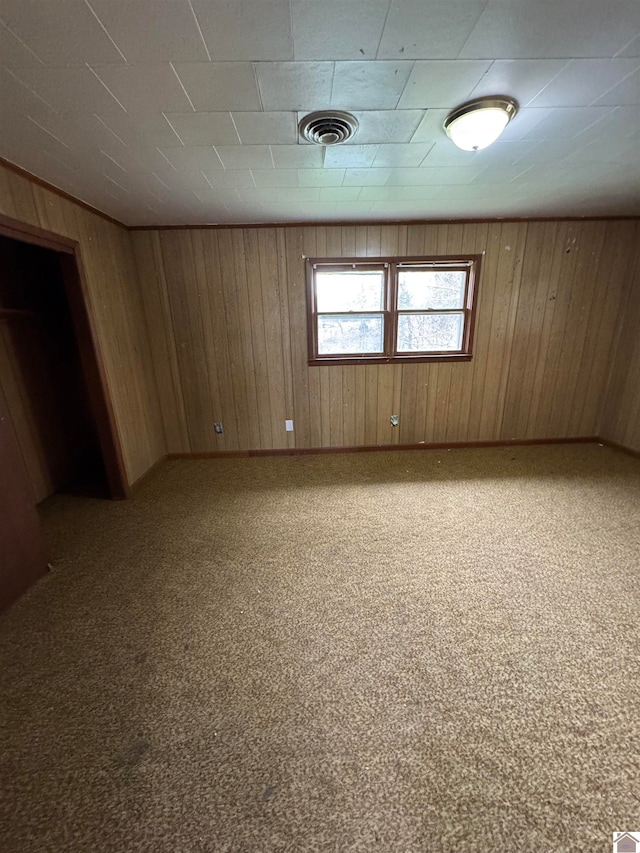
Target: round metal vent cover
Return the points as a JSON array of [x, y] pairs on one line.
[[328, 128]]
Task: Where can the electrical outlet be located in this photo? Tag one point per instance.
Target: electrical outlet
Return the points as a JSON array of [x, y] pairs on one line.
[[393, 420], [288, 425], [218, 427]]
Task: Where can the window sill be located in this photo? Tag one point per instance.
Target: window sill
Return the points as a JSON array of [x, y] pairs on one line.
[[400, 359]]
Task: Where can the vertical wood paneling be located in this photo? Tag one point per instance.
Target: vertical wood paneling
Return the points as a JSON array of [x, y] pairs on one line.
[[116, 307], [153, 285], [300, 377], [621, 409], [551, 295]]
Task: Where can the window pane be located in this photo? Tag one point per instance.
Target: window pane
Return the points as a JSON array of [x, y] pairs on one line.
[[350, 334], [419, 290], [350, 290], [430, 332]]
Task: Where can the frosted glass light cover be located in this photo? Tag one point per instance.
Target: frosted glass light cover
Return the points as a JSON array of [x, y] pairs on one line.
[[479, 123]]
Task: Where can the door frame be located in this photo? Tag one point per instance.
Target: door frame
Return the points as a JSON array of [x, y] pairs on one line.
[[84, 325]]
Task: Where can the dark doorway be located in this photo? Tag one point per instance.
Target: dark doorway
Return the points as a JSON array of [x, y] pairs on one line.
[[42, 376]]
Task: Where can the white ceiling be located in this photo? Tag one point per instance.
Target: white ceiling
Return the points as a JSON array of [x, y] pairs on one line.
[[186, 111]]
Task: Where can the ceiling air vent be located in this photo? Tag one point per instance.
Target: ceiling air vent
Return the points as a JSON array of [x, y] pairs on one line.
[[328, 128]]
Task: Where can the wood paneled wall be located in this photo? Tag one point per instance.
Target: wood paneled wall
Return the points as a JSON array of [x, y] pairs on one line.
[[621, 418], [227, 320], [116, 306]]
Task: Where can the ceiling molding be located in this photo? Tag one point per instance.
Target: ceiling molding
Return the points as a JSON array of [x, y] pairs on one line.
[[317, 224]]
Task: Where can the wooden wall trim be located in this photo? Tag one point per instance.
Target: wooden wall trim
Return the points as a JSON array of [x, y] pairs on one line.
[[323, 223], [315, 224], [17, 230], [12, 167], [311, 451], [620, 447], [436, 445], [77, 292]]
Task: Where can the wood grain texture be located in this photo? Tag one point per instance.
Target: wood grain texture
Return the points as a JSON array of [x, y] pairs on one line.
[[621, 411], [227, 314], [116, 308]]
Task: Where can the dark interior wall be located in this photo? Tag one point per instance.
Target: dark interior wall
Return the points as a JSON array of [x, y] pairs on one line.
[[40, 370]]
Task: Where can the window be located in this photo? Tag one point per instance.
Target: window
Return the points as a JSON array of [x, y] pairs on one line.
[[379, 310]]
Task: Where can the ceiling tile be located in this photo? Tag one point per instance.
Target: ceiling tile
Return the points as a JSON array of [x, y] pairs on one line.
[[366, 177], [15, 53], [136, 160], [546, 151], [21, 135], [230, 178], [73, 91], [62, 33], [555, 174], [320, 177], [144, 88], [500, 174], [522, 79], [298, 156], [623, 121], [279, 194], [349, 156], [216, 196], [411, 33], [173, 35], [424, 175], [583, 81], [387, 125], [82, 133], [369, 85], [194, 159], [571, 149], [245, 29], [294, 85], [565, 123], [394, 156], [353, 210], [272, 128], [245, 156], [511, 29], [411, 193], [445, 153], [525, 121], [203, 128], [334, 29], [627, 92], [275, 177], [339, 193], [15, 96], [430, 128], [149, 130], [632, 49], [610, 150], [442, 84], [217, 86]]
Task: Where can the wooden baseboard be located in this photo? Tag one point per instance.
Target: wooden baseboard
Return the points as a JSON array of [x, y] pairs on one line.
[[621, 448], [368, 448]]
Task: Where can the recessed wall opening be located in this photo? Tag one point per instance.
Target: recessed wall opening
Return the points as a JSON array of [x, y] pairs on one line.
[[42, 376]]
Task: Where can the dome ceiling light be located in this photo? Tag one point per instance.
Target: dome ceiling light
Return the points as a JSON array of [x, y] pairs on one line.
[[478, 123], [328, 128]]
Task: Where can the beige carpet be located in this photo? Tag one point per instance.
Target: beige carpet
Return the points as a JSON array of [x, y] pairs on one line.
[[407, 651]]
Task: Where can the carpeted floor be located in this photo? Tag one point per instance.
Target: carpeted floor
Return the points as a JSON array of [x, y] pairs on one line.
[[394, 652]]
